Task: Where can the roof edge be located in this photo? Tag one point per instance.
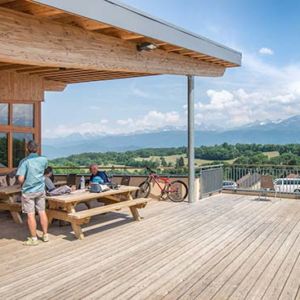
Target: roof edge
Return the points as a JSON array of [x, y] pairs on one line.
[[120, 15]]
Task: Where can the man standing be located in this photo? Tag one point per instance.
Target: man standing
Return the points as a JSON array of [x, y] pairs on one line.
[[31, 175]]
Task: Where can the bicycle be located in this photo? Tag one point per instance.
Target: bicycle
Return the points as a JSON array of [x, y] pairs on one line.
[[175, 190]]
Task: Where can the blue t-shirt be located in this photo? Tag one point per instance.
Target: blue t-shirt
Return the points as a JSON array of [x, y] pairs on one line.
[[96, 178], [33, 168]]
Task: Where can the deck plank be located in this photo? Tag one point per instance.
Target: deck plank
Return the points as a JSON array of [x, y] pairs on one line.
[[224, 247], [234, 277]]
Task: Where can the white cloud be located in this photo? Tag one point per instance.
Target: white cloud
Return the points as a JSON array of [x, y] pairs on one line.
[[266, 51], [261, 91], [151, 121]]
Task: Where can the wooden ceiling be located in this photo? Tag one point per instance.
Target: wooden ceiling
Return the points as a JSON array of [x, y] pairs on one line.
[[78, 75]]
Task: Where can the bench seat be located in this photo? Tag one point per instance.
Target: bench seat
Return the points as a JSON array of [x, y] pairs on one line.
[[138, 203], [14, 207]]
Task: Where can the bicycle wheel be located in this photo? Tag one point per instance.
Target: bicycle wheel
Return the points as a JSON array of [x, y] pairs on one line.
[[177, 191], [144, 190]]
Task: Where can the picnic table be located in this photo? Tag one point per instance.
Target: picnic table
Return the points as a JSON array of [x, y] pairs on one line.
[[64, 207], [9, 202]]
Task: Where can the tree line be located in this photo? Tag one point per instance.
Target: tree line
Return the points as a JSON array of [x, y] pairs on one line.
[[240, 153]]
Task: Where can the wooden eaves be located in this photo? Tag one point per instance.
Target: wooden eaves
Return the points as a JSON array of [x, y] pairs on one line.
[[62, 42]]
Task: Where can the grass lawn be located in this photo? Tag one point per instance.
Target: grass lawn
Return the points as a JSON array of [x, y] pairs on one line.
[[272, 154], [172, 159]]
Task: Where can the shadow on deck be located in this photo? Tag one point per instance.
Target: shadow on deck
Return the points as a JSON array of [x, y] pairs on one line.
[[224, 247]]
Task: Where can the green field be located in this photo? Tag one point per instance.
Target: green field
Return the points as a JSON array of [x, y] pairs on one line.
[[199, 162], [272, 154], [172, 159]]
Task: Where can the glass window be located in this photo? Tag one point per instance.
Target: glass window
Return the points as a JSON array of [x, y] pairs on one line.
[[23, 115], [19, 146], [3, 150], [3, 113]]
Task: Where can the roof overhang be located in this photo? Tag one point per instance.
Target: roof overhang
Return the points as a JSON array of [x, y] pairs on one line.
[[73, 41], [119, 15]]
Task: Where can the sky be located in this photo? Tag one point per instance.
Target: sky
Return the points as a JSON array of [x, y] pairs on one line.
[[265, 88]]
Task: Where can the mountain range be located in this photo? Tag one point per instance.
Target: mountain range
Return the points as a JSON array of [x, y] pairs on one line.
[[269, 132]]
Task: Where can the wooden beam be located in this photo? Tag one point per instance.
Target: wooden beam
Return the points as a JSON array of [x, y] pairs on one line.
[[80, 22], [54, 86], [32, 8], [32, 70], [5, 1], [71, 47]]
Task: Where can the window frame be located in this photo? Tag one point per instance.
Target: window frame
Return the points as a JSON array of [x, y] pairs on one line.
[[10, 129]]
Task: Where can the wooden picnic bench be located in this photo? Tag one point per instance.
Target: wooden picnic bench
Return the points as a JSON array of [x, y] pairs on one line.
[[8, 202], [64, 207]]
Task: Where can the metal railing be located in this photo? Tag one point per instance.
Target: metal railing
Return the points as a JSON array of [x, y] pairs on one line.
[[282, 179], [211, 179], [214, 178]]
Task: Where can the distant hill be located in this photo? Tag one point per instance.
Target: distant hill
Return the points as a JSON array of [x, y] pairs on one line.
[[281, 132]]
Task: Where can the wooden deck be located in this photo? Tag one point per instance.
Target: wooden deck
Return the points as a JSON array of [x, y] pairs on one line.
[[224, 247]]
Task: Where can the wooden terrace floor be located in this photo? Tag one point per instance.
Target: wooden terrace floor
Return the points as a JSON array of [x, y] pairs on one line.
[[224, 247]]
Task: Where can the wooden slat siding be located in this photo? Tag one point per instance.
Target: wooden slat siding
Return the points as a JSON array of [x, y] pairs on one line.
[[119, 253], [20, 87], [86, 50], [194, 251]]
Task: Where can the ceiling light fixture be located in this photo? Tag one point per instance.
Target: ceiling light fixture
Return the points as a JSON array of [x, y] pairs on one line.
[[146, 47]]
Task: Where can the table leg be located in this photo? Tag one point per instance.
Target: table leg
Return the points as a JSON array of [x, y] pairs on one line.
[[15, 215], [77, 230], [49, 213], [75, 225], [135, 213]]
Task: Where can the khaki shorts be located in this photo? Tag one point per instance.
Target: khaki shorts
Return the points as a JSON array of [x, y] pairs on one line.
[[33, 201]]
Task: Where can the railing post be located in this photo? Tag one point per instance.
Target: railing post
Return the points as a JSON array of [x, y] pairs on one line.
[[191, 139]]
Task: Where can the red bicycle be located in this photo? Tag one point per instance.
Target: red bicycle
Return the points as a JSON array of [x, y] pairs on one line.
[[175, 190]]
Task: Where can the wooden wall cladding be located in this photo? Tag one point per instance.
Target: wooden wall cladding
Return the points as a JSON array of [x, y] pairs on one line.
[[20, 87]]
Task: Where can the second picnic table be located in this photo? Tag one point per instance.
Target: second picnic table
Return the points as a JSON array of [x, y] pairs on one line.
[[64, 207], [8, 202]]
